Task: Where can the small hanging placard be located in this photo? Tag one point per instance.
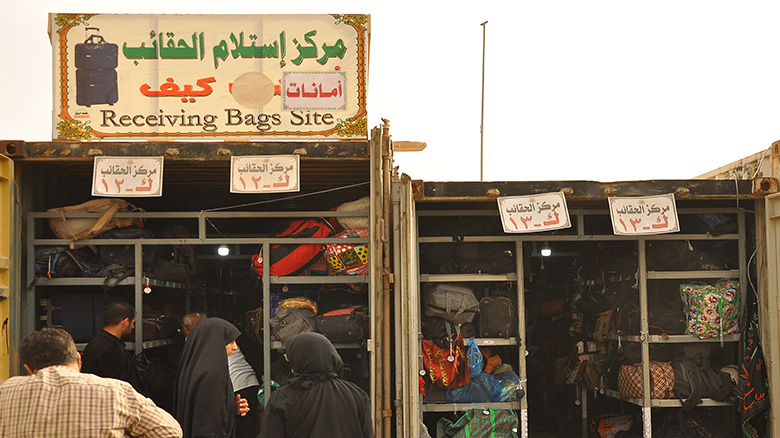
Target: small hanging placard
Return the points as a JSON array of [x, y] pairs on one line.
[[127, 176], [533, 214], [644, 215], [265, 174]]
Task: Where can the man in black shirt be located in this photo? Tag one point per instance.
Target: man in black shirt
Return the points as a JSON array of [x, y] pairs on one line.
[[106, 355]]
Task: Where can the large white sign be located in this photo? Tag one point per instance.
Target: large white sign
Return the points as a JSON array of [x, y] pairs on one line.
[[644, 215], [533, 214], [265, 174], [210, 76], [127, 176]]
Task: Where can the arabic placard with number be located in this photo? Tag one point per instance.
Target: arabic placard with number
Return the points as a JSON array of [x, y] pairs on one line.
[[644, 215], [533, 214], [127, 176], [210, 76], [265, 174]]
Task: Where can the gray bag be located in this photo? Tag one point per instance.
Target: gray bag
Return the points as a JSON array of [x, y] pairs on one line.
[[453, 302], [289, 322]]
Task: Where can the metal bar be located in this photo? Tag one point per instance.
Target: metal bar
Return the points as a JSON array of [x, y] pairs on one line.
[[643, 327], [266, 382], [522, 370], [139, 298]]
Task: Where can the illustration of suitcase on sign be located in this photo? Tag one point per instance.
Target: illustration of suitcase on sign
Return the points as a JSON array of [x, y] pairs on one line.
[[96, 78]]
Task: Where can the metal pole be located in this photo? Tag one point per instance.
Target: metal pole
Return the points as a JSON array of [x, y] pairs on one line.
[[482, 117]]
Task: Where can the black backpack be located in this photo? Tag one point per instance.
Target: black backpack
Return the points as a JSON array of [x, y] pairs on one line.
[[692, 382]]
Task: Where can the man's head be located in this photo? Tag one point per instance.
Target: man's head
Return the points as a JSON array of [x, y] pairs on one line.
[[47, 347], [119, 319], [189, 321]]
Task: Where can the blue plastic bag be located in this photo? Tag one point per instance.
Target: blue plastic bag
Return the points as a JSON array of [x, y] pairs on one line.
[[483, 388], [475, 359]]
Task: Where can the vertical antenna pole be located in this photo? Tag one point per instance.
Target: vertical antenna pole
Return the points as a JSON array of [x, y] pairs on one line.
[[482, 117]]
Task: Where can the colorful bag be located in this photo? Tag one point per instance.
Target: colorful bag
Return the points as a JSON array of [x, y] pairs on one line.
[[446, 367], [289, 259], [711, 310], [661, 380], [480, 422], [348, 258]]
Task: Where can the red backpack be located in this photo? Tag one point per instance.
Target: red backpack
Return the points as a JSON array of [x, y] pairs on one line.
[[289, 259]]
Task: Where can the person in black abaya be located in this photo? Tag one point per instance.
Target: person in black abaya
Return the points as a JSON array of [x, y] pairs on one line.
[[203, 401], [316, 402]]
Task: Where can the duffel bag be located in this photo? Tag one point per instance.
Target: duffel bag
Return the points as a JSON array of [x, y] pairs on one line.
[[86, 228], [497, 317], [344, 325], [291, 321], [348, 258], [125, 254], [661, 380], [58, 261], [453, 302], [480, 422], [289, 259]]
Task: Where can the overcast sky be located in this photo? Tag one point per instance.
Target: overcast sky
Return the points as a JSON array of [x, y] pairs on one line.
[[596, 90]]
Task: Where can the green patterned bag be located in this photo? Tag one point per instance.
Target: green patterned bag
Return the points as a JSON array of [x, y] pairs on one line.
[[711, 310], [487, 423]]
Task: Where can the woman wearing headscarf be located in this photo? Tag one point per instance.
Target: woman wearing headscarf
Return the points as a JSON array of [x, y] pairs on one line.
[[316, 402], [204, 402]]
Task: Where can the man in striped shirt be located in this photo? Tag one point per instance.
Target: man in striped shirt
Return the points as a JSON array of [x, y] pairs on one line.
[[56, 400]]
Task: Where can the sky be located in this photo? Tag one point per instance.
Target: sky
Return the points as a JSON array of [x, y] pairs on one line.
[[597, 90]]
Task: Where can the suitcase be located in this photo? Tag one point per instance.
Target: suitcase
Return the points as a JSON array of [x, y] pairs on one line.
[[78, 313], [96, 87], [125, 254], [96, 54], [497, 317]]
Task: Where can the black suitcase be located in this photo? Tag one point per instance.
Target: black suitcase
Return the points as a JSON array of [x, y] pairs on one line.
[[96, 87], [125, 254], [497, 317], [78, 313], [96, 54]]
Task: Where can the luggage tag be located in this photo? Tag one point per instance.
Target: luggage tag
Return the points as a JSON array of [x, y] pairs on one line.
[[147, 287], [451, 357]]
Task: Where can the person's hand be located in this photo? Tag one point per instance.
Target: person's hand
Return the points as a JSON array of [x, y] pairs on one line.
[[242, 405]]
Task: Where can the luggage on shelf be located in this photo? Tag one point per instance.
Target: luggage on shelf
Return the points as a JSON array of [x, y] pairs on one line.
[[348, 258], [125, 254], [290, 259], [87, 228], [480, 422], [59, 261], [291, 321], [453, 302], [661, 380], [345, 325], [497, 317], [711, 310]]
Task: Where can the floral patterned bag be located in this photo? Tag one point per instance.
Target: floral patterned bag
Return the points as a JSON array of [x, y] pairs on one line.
[[711, 310]]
